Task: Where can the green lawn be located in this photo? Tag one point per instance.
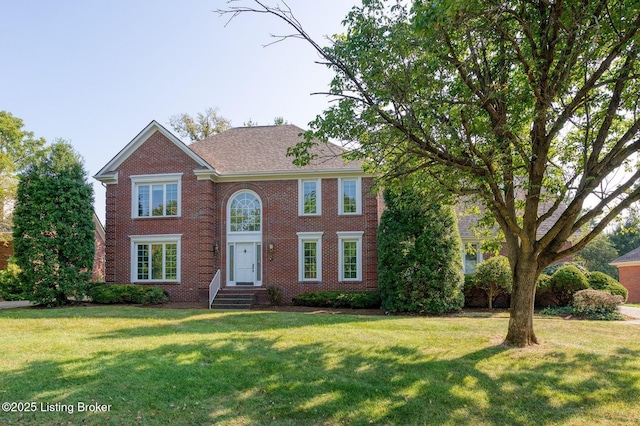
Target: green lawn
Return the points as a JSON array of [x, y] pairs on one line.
[[190, 367]]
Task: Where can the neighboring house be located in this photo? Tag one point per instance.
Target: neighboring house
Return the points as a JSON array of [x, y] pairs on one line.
[[629, 273], [98, 257], [472, 244], [234, 202]]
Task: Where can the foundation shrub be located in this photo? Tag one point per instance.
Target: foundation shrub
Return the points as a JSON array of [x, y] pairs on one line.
[[128, 293], [274, 294], [339, 299]]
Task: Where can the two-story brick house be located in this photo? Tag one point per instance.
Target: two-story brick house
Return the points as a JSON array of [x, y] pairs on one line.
[[176, 214]]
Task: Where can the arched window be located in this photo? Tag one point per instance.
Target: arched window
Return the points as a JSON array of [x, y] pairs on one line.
[[244, 213]]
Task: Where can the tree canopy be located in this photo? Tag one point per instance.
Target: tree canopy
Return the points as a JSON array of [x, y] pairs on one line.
[[529, 108], [18, 148], [203, 125]]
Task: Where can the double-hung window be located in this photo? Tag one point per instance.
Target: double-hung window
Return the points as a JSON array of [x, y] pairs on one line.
[[155, 258], [156, 195], [310, 256], [349, 196], [350, 256], [309, 197]]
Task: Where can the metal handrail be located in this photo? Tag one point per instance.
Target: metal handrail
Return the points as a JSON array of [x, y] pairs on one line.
[[214, 286]]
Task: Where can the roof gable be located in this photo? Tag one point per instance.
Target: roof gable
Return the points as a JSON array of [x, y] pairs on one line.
[[263, 149], [632, 256], [108, 173]]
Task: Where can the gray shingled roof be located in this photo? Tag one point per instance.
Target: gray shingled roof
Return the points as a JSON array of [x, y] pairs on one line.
[[465, 222], [264, 149], [632, 256]]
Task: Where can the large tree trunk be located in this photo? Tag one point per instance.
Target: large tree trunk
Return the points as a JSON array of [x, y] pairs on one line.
[[522, 300]]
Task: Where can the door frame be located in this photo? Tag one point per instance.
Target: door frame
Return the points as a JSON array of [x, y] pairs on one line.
[[232, 264], [243, 237]]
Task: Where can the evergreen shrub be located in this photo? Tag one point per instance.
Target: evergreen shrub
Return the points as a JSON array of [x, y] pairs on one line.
[[567, 280], [419, 261], [339, 299], [601, 281], [128, 293]]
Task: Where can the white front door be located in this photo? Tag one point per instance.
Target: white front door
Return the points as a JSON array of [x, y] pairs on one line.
[[245, 263]]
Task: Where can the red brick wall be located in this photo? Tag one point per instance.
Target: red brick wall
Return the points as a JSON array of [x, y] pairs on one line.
[[159, 155], [98, 258], [203, 226], [630, 278], [6, 251], [281, 224]]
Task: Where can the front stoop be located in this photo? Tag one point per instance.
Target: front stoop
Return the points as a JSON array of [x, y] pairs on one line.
[[234, 299]]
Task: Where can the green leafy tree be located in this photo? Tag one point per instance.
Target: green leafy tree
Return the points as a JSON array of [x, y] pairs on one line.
[[525, 108], [494, 277], [18, 148], [597, 254], [626, 236], [53, 228], [203, 125], [419, 256]]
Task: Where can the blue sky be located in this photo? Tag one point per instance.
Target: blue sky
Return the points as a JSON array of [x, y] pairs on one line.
[[97, 72]]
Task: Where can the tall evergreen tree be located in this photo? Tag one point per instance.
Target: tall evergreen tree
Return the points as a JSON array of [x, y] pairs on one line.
[[419, 255], [53, 227]]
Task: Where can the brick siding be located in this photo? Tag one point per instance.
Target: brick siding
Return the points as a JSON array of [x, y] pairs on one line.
[[630, 278], [202, 225]]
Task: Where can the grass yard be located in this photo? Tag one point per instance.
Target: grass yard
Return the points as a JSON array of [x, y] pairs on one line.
[[191, 367]]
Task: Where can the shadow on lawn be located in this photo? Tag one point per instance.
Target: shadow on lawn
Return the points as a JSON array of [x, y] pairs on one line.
[[249, 380]]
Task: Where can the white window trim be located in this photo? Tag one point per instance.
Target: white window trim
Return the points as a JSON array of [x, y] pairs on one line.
[[358, 197], [302, 238], [301, 183], [150, 180], [349, 236], [154, 239]]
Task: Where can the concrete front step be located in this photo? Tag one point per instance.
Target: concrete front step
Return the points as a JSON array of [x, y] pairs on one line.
[[234, 300]]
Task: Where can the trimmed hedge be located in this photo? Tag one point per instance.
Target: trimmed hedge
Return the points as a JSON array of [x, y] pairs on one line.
[[596, 305], [567, 280], [128, 293], [339, 299], [601, 281]]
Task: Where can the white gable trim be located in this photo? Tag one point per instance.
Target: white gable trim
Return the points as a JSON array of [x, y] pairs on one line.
[[106, 174]]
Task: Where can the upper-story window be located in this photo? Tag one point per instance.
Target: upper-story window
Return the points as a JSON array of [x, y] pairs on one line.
[[244, 212], [309, 197], [156, 195], [349, 196]]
